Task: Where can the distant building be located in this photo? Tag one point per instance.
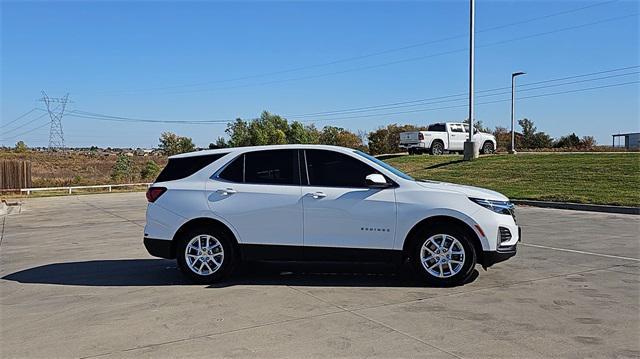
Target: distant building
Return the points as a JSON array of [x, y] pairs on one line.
[[631, 140]]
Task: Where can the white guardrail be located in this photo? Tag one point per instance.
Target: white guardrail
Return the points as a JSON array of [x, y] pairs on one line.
[[71, 188]]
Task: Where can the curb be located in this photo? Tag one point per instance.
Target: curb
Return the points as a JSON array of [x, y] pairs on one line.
[[580, 206]]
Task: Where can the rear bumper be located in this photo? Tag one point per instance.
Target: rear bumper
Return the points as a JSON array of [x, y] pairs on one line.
[[160, 248], [412, 145]]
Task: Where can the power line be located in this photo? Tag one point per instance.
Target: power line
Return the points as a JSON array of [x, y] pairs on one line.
[[412, 59], [465, 105], [376, 53], [27, 123], [26, 132], [99, 117], [463, 96], [19, 117]]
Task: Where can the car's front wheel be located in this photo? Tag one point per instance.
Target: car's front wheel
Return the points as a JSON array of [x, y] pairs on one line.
[[205, 255], [443, 256]]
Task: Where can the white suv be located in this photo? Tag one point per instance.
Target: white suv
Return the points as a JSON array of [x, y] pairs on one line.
[[212, 209]]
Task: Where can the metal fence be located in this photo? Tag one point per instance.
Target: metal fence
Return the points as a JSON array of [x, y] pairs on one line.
[[15, 174], [70, 189]]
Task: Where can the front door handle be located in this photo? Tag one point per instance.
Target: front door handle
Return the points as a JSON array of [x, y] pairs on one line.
[[317, 195], [226, 191]]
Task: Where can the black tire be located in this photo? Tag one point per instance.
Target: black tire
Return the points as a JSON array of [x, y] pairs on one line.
[[418, 240], [412, 151], [437, 148], [487, 148], [228, 256]]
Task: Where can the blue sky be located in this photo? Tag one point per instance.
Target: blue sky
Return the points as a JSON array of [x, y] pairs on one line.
[[196, 61]]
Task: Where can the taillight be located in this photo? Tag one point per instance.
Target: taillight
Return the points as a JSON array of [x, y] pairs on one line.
[[420, 136], [154, 193]]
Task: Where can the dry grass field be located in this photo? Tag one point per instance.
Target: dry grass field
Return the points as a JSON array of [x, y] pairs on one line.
[[65, 169]]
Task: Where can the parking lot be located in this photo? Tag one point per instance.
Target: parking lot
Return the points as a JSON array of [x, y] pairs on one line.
[[77, 282]]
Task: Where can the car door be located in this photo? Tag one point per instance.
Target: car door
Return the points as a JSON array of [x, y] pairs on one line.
[[457, 136], [340, 210], [259, 194]]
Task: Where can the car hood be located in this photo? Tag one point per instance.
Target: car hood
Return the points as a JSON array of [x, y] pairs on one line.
[[469, 191]]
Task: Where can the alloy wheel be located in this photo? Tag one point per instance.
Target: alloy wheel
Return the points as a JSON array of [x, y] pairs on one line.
[[204, 254], [442, 256]]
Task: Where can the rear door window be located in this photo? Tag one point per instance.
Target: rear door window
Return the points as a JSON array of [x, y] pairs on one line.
[[264, 167], [182, 167], [272, 167]]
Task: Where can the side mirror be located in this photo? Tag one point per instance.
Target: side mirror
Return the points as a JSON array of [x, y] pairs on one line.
[[376, 180]]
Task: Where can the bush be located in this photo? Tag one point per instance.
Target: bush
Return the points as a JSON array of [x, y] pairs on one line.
[[150, 170], [387, 139], [123, 169], [21, 147], [573, 141]]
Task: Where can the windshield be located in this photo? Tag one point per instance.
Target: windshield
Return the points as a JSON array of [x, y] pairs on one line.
[[388, 167]]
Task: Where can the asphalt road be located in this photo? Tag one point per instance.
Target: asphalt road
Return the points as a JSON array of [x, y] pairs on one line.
[[77, 282]]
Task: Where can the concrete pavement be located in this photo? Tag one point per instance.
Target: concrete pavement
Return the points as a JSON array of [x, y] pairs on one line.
[[77, 282]]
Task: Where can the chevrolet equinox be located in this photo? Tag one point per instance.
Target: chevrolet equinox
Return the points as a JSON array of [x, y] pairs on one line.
[[212, 209]]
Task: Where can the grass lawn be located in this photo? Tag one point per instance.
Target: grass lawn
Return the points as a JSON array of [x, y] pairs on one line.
[[599, 178]]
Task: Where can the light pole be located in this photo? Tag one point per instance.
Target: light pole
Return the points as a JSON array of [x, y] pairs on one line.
[[470, 147], [512, 149]]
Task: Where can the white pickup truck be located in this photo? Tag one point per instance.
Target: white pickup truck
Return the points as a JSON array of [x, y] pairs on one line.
[[441, 137]]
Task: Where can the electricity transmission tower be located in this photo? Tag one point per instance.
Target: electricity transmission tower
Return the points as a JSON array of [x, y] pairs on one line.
[[56, 135]]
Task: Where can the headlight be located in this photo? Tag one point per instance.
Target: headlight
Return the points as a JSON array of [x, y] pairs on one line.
[[502, 207]]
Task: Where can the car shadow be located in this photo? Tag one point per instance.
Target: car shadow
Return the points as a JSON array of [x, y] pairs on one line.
[[390, 156], [160, 272], [443, 164]]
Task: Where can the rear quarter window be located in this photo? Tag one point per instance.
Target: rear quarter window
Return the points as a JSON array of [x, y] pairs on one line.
[[437, 127], [183, 167]]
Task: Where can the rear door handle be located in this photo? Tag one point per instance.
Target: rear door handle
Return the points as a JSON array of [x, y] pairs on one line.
[[317, 195], [226, 191]]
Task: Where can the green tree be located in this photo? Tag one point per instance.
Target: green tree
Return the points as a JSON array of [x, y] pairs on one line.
[[238, 132], [387, 139], [378, 141], [21, 147], [122, 170], [172, 144], [531, 138], [150, 170], [338, 136], [220, 143], [269, 129], [298, 133], [571, 140]]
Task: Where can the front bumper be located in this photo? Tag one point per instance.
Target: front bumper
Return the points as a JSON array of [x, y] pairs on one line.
[[160, 248], [503, 253], [490, 258]]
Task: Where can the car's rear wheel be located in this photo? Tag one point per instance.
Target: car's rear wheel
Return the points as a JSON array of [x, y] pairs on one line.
[[205, 255], [443, 256], [487, 148], [437, 148]]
